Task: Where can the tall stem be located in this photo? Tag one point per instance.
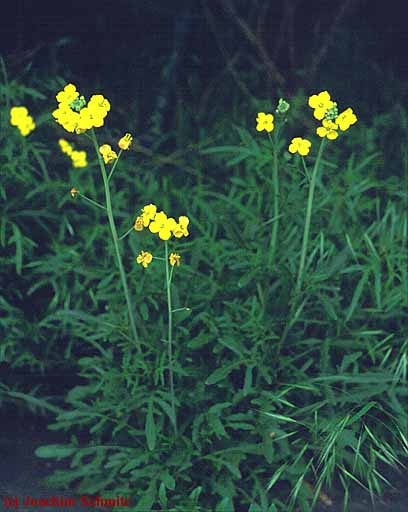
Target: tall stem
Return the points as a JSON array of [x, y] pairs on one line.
[[304, 250], [169, 334], [308, 218], [275, 180], [116, 240]]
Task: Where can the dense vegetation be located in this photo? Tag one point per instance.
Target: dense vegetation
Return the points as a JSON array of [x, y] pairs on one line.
[[282, 378]]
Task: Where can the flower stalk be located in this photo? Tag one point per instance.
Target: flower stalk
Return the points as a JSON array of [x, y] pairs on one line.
[[116, 240], [305, 242], [275, 180], [169, 275], [308, 219]]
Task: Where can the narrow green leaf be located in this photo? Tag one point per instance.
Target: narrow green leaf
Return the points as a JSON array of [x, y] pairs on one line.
[[162, 495], [166, 408], [221, 373], [148, 498], [150, 427], [357, 294], [225, 505], [55, 451], [144, 312], [17, 238], [248, 380]]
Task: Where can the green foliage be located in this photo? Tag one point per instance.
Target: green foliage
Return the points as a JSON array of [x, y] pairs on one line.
[[255, 432]]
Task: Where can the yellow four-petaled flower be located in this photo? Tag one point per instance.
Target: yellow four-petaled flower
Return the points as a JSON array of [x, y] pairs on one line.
[[321, 103], [299, 145], [144, 258], [328, 130], [264, 122]]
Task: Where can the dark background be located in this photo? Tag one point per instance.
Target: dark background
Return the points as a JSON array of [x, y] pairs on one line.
[[154, 48]]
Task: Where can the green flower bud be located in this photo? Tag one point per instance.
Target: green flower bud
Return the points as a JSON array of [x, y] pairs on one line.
[[283, 106], [78, 103], [332, 113]]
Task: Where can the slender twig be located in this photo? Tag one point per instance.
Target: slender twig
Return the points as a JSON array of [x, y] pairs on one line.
[[327, 39], [126, 234], [274, 74], [228, 60], [114, 166], [91, 201]]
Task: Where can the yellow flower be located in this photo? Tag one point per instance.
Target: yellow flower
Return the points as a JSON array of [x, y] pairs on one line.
[[74, 192], [98, 101], [138, 223], [174, 259], [172, 223], [180, 229], [65, 147], [85, 120], [320, 103], [346, 119], [328, 129], [75, 115], [144, 258], [125, 141], [27, 126], [67, 95], [299, 145], [148, 213], [20, 118], [17, 114], [264, 122], [161, 225], [107, 153], [66, 117], [79, 158]]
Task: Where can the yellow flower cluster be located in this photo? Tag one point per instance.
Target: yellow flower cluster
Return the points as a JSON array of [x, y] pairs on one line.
[[20, 118], [74, 114], [160, 224], [108, 154], [264, 122], [325, 110], [78, 157], [145, 258]]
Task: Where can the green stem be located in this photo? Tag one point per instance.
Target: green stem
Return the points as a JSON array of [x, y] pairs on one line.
[[169, 333], [308, 218], [115, 163], [91, 201], [126, 234], [180, 309], [292, 320], [276, 215], [116, 240]]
